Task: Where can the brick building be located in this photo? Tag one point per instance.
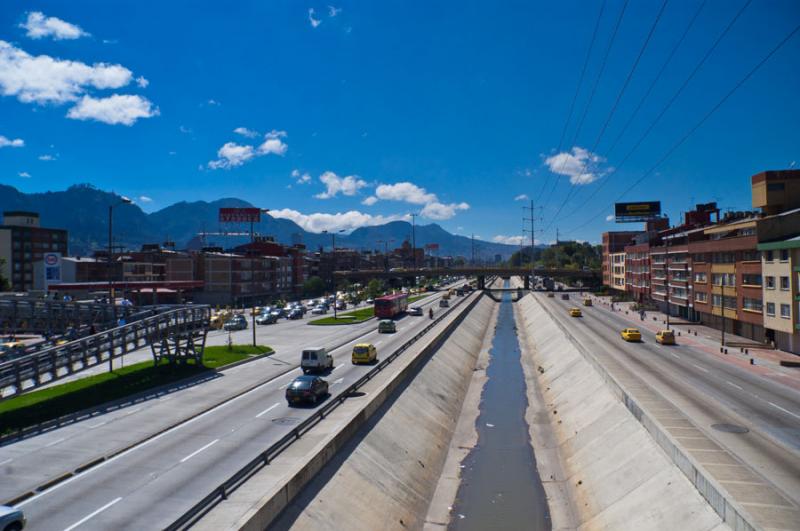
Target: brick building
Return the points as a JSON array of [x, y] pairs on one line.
[[23, 242]]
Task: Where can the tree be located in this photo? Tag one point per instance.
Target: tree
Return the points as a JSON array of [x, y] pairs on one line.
[[314, 287], [374, 288], [5, 285]]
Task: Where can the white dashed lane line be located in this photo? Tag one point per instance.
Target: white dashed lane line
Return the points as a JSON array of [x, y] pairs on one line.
[[699, 367], [784, 410], [733, 385], [212, 443], [270, 408], [92, 515]]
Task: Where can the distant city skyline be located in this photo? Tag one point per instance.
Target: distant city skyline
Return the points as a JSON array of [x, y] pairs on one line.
[[355, 114]]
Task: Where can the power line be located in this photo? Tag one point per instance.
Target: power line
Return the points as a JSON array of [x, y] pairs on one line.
[[577, 90], [694, 128], [621, 93], [664, 109]]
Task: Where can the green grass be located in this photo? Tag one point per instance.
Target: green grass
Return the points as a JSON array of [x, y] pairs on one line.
[[47, 404], [352, 317], [415, 298]]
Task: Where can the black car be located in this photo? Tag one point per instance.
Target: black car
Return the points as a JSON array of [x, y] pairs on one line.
[[296, 313], [306, 389]]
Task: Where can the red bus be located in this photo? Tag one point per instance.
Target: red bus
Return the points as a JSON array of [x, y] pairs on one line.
[[391, 305]]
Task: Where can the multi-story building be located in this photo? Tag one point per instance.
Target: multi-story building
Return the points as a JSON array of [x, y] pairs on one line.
[[617, 270], [614, 242], [23, 242], [780, 265], [637, 269]]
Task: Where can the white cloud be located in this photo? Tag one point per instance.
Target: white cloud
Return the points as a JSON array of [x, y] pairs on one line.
[[38, 26], [319, 221], [213, 103], [231, 155], [142, 82], [369, 201], [522, 197], [405, 191], [509, 240], [7, 142], [185, 130], [440, 211], [47, 157], [145, 199], [301, 178], [249, 133], [333, 11], [122, 109], [314, 21], [43, 79], [580, 165], [349, 185], [610, 217], [273, 146], [25, 175]]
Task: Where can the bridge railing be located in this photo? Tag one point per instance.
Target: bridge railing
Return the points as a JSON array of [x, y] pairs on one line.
[[56, 362], [33, 315]]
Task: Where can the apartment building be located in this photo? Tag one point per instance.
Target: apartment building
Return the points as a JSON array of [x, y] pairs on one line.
[[614, 242], [23, 242], [617, 267], [780, 264]]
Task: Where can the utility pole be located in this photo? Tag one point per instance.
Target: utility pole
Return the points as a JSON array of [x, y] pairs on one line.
[[473, 250], [414, 237], [532, 219], [666, 277], [111, 297], [722, 305]]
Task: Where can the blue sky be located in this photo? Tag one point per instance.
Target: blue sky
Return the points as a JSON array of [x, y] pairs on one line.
[[360, 112]]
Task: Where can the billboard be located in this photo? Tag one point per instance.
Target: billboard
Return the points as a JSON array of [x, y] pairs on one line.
[[432, 246], [239, 215], [52, 268], [639, 211]]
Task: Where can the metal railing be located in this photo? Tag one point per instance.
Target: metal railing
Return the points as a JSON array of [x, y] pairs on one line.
[[41, 316], [56, 362], [221, 492]]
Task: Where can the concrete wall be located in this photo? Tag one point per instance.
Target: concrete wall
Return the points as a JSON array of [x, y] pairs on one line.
[[612, 470], [385, 477]]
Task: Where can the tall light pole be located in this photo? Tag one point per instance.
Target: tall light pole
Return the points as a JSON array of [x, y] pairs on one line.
[[414, 237], [333, 267], [122, 201]]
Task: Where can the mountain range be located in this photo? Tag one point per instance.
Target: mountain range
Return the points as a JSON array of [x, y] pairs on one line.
[[83, 211]]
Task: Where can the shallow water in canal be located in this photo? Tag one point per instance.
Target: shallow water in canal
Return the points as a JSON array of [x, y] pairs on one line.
[[500, 486]]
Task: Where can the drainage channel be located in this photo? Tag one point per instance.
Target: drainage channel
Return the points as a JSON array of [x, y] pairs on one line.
[[500, 486]]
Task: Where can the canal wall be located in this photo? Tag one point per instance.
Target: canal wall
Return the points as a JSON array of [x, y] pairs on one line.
[[386, 475], [600, 467]]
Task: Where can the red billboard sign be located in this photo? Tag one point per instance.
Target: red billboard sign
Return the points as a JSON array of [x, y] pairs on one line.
[[432, 246], [239, 215]]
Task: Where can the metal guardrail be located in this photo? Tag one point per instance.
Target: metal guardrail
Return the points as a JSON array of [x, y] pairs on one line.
[[190, 517], [56, 362], [40, 316]]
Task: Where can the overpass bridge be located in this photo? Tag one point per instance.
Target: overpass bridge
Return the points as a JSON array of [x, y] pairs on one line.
[[481, 272], [41, 316]]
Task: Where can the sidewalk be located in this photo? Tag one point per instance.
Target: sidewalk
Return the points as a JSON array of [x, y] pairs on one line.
[[764, 361]]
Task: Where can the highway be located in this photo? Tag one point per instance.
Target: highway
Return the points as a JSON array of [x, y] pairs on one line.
[[705, 388], [150, 484]]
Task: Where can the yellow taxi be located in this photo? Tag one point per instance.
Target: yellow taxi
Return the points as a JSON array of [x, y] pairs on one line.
[[218, 319], [11, 345], [364, 353], [631, 334], [665, 337], [575, 312], [587, 302], [256, 311]]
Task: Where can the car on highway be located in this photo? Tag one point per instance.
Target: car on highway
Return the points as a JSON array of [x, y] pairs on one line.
[[11, 518], [364, 353], [565, 296], [316, 359], [587, 302], [296, 313], [341, 305], [414, 310], [237, 322], [665, 337], [10, 346], [266, 318], [575, 312], [631, 334], [550, 295], [369, 301], [386, 326], [306, 389], [444, 303], [319, 310]]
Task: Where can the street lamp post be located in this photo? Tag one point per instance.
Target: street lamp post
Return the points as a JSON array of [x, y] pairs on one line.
[[122, 201], [333, 268]]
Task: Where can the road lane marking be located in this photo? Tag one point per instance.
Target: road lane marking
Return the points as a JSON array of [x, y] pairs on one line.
[[6, 461], [784, 409], [733, 385], [340, 380], [699, 367], [93, 426], [270, 408], [55, 442], [341, 365], [212, 443], [132, 411], [92, 515], [674, 355]]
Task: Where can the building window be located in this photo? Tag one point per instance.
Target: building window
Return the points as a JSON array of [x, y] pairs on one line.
[[750, 279], [784, 255], [751, 256], [785, 283], [729, 279], [771, 309], [770, 282], [700, 277], [753, 305], [723, 258], [699, 257], [730, 302], [769, 256], [701, 296], [786, 311]]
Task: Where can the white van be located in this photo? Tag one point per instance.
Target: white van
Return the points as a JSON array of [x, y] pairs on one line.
[[316, 359]]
